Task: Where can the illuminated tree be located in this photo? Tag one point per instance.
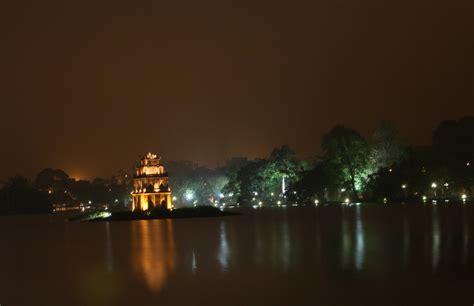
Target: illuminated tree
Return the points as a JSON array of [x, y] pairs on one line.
[[348, 153]]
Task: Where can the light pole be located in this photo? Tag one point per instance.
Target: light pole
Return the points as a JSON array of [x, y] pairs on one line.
[[405, 191], [434, 186]]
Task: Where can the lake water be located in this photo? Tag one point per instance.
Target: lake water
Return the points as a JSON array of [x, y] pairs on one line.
[[360, 255]]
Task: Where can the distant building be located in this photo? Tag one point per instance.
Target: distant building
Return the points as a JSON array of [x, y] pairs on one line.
[[150, 185]]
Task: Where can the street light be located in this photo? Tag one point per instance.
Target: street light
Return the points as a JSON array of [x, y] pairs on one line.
[[434, 186]]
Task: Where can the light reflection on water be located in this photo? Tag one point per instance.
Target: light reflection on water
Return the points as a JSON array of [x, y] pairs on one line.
[[360, 244], [436, 240], [302, 250], [153, 252], [223, 253]]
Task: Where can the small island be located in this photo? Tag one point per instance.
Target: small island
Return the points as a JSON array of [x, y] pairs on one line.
[[151, 198], [188, 212]]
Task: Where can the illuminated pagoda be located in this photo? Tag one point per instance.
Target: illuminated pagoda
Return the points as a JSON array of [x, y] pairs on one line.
[[150, 185]]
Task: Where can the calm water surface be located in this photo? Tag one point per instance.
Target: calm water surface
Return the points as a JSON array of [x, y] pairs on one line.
[[360, 255]]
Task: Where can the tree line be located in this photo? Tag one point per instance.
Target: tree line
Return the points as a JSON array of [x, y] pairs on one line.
[[350, 168]]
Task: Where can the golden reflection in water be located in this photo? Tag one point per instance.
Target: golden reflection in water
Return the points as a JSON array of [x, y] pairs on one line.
[[153, 252]]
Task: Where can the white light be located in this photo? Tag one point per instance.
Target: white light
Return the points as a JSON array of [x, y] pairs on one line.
[[174, 198], [385, 200], [279, 202], [272, 194], [390, 170], [434, 185], [343, 190], [189, 196], [404, 186], [294, 192], [446, 185], [260, 203], [221, 195], [116, 200], [90, 202], [464, 196], [347, 201], [424, 198], [316, 202], [255, 193]]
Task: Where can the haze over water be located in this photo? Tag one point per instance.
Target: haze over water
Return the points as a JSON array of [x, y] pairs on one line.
[[369, 254]]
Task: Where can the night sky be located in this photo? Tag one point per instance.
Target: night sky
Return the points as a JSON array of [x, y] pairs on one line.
[[87, 86]]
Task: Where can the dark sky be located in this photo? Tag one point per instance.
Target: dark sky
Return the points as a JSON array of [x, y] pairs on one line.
[[87, 86]]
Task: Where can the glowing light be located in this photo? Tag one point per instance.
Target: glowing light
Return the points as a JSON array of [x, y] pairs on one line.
[[151, 156], [189, 196], [90, 202], [294, 192], [50, 191], [385, 200], [260, 203], [468, 164], [255, 193], [464, 197], [434, 185], [343, 190], [221, 195], [316, 202], [347, 201], [404, 186], [424, 198], [446, 185], [272, 194], [174, 198], [390, 170], [279, 202]]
